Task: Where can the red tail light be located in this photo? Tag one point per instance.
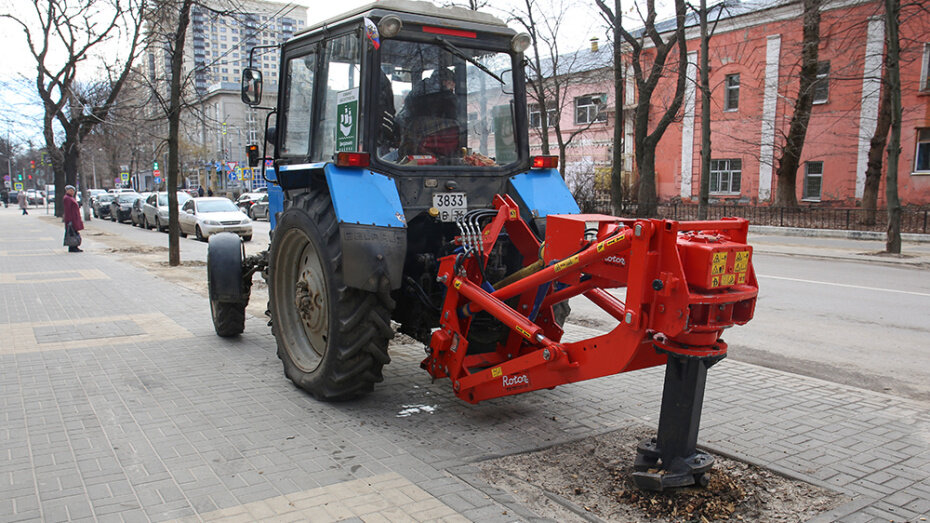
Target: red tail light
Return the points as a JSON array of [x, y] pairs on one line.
[[352, 159], [545, 162]]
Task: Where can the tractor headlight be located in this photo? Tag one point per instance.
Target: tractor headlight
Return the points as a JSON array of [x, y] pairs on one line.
[[520, 42], [389, 26]]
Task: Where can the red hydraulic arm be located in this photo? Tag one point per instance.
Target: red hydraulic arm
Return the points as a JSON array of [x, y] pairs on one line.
[[685, 283]]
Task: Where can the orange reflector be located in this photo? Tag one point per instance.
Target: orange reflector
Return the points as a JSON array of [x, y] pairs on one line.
[[352, 159], [545, 162]]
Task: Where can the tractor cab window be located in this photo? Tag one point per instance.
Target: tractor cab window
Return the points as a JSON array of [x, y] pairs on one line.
[[338, 128], [298, 105], [444, 104]]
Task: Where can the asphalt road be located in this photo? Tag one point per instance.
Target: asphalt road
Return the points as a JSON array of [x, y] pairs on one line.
[[856, 323], [860, 324]]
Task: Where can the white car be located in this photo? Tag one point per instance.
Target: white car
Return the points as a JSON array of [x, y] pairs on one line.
[[155, 210], [204, 217]]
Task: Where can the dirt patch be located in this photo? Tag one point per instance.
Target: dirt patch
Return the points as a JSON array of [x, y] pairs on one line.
[[591, 479], [138, 249]]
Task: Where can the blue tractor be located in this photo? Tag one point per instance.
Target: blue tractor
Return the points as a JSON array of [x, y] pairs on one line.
[[396, 125]]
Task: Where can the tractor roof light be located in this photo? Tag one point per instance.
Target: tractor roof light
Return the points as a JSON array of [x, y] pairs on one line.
[[389, 26], [520, 42], [544, 162], [346, 159]]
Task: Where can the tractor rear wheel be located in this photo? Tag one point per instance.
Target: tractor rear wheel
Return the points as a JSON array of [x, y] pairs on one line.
[[332, 339]]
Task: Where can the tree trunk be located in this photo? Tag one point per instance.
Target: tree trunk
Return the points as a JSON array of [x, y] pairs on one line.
[[893, 241], [616, 172], [873, 171], [648, 200], [785, 194], [174, 119], [704, 192]]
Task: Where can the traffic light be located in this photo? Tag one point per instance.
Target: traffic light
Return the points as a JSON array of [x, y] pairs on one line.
[[155, 165], [19, 177], [252, 152], [32, 163], [29, 177]]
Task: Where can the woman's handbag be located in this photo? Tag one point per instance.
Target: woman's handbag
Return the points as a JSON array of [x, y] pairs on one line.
[[72, 237]]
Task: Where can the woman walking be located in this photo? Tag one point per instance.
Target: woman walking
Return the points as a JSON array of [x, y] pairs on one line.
[[23, 202], [72, 218]]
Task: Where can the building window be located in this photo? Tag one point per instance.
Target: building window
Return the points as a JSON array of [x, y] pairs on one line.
[[822, 84], [925, 69], [813, 180], [922, 155], [731, 100], [725, 176], [536, 116], [590, 109]]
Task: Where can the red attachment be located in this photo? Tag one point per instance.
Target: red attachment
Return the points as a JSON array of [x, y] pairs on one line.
[[345, 159], [672, 305], [544, 162]]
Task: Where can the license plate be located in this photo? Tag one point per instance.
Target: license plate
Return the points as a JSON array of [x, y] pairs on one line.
[[451, 205]]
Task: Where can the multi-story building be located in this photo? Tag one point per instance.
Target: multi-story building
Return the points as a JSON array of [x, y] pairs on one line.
[[754, 63], [218, 125]]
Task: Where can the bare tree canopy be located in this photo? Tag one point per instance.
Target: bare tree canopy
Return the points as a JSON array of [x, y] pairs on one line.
[[63, 36]]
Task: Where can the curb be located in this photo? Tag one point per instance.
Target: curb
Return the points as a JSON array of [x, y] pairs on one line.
[[834, 233]]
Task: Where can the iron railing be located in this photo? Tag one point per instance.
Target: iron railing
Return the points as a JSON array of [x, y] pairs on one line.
[[847, 219]]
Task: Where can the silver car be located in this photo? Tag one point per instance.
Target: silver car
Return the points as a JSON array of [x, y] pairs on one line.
[[155, 210], [204, 217]]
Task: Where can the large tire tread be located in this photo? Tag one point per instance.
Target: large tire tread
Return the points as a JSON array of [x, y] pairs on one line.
[[360, 327], [228, 318]]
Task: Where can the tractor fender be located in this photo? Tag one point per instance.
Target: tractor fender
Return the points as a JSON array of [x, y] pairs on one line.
[[372, 227], [224, 268], [543, 192]]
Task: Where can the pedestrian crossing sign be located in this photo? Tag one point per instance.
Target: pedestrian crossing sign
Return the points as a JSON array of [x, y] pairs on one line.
[[18, 186]]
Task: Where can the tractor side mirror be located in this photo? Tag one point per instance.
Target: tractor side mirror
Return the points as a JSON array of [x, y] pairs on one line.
[[270, 134], [507, 87], [252, 152], [251, 86]]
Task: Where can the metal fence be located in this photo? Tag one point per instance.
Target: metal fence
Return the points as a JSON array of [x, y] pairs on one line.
[[848, 219]]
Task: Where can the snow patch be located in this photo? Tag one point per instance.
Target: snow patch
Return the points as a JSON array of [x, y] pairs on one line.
[[409, 410]]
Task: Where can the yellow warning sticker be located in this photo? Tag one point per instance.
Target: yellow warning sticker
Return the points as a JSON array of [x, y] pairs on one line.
[[564, 264], [458, 284], [728, 279], [513, 214], [741, 278], [496, 372], [742, 261], [719, 263], [715, 281], [607, 243], [523, 332]]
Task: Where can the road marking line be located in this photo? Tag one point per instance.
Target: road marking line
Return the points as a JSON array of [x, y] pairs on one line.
[[848, 286], [52, 276]]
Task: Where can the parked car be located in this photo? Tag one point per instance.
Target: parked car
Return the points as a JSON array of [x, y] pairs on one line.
[[34, 197], [94, 193], [12, 196], [246, 200], [121, 206], [204, 217], [259, 209], [155, 210], [135, 213], [120, 190], [101, 205]]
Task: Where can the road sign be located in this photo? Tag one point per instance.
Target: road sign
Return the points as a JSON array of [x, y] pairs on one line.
[[18, 186], [156, 173], [124, 176], [232, 165], [6, 177], [157, 180]]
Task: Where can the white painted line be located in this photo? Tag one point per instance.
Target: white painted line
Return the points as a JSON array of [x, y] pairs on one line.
[[848, 286]]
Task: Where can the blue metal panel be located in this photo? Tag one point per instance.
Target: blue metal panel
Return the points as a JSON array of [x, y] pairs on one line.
[[544, 192], [275, 202], [363, 197]]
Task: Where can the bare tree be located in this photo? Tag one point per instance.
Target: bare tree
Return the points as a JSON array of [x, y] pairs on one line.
[[614, 18], [553, 74], [893, 56], [787, 173], [645, 142], [704, 84], [80, 29]]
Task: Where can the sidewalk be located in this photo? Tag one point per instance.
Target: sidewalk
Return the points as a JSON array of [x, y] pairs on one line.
[[824, 244], [119, 403]]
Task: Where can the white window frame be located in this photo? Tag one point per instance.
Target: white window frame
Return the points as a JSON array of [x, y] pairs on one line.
[[917, 146], [727, 88], [725, 169], [599, 109], [808, 175], [534, 112], [925, 70], [822, 77]]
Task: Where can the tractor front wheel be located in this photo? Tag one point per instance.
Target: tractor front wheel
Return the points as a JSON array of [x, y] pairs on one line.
[[331, 338]]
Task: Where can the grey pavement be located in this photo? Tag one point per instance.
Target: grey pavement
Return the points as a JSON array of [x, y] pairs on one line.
[[118, 403]]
